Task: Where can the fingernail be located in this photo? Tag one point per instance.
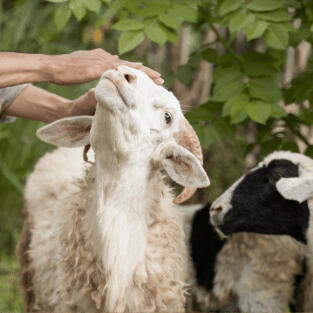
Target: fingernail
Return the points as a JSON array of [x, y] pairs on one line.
[[160, 81]]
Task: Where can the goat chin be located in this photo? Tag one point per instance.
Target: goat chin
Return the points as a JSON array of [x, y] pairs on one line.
[[120, 256]]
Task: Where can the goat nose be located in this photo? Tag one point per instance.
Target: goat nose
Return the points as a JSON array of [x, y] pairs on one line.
[[216, 215], [129, 77], [216, 210]]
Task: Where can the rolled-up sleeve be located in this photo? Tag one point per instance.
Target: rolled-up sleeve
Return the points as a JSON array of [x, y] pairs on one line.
[[7, 95]]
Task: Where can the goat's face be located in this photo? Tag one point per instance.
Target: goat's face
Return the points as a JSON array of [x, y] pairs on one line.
[[135, 116], [270, 199], [151, 110]]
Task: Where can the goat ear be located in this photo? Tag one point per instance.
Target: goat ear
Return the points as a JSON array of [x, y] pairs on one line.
[[67, 132], [296, 188], [182, 166]]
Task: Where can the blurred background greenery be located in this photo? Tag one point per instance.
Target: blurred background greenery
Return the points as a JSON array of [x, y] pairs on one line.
[[244, 60]]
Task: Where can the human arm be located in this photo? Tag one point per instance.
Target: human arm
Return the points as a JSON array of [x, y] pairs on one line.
[[40, 105], [64, 69]]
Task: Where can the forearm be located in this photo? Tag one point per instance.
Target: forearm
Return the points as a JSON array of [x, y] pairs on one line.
[[64, 69], [40, 105], [18, 68]]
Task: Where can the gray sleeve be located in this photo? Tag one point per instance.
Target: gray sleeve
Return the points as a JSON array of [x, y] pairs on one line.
[[7, 95]]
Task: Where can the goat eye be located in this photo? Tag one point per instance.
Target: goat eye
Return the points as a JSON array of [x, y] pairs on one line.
[[168, 117], [275, 177]]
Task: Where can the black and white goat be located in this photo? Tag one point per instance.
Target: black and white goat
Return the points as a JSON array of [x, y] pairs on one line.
[[252, 271]]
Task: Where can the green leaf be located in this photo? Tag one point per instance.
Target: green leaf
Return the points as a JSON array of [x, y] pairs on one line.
[[289, 27], [237, 111], [194, 61], [148, 12], [186, 12], [78, 9], [93, 5], [223, 92], [61, 16], [172, 36], [170, 21], [199, 114], [184, 74], [224, 76], [207, 135], [255, 29], [152, 8], [265, 89], [275, 16], [156, 33], [209, 55], [111, 12], [224, 129], [270, 145], [229, 6], [311, 28], [277, 111], [277, 37], [128, 24], [56, 1], [301, 88], [258, 64], [306, 117], [259, 111], [212, 106], [234, 101], [130, 40], [265, 5], [239, 21]]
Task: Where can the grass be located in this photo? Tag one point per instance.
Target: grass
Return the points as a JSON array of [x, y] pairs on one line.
[[11, 299]]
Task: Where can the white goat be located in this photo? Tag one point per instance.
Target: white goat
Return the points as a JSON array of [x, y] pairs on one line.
[[108, 238]]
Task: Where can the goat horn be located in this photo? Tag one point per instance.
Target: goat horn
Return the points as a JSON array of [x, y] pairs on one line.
[[188, 138]]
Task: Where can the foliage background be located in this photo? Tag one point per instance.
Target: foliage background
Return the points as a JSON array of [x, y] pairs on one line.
[[232, 57]]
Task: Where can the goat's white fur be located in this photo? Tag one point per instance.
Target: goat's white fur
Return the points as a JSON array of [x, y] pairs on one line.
[[110, 239]]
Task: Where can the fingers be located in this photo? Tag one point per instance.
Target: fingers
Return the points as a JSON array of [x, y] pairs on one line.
[[154, 75], [159, 81]]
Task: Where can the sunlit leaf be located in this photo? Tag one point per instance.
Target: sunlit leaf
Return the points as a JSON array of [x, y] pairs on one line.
[[277, 37], [78, 8], [128, 24], [259, 111], [156, 33], [255, 29], [229, 6], [239, 21], [265, 5], [129, 41], [61, 16]]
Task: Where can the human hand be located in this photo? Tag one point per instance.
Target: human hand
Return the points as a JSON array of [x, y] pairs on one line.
[[84, 66], [84, 105]]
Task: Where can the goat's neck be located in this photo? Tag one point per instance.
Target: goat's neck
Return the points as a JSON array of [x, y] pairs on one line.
[[126, 192]]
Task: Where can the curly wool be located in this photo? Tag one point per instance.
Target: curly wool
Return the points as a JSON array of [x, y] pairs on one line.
[[68, 273]]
